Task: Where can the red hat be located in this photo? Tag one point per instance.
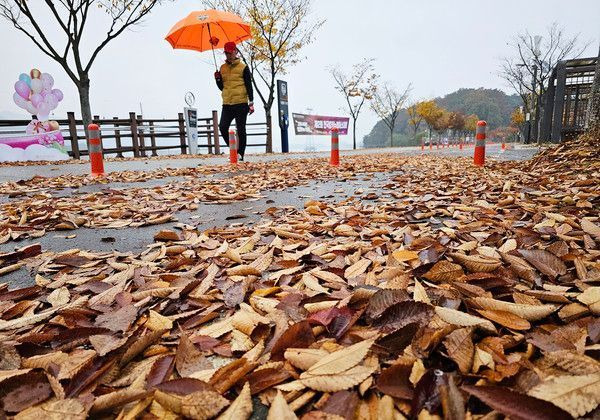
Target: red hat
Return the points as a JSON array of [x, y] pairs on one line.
[[230, 47]]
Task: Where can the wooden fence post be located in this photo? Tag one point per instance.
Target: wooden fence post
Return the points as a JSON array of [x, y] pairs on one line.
[[73, 133], [209, 137], [153, 138], [215, 121], [141, 138], [118, 139], [134, 134], [182, 133]]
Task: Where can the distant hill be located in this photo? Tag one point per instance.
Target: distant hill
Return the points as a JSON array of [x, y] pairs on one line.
[[492, 105]]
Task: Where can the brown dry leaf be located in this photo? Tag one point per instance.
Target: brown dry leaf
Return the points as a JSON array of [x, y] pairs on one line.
[[506, 319], [444, 271], [243, 270], [280, 410], [69, 409], [157, 322], [339, 381], [463, 319], [200, 405], [341, 360], [571, 362], [477, 263], [357, 268], [577, 395], [189, 359], [304, 358], [528, 312], [240, 408], [591, 298], [404, 255], [516, 405], [590, 228], [76, 361], [117, 399], [548, 263], [420, 294], [459, 345], [59, 297]]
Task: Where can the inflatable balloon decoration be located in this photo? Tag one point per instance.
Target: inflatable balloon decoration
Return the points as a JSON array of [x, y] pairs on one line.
[[34, 93]]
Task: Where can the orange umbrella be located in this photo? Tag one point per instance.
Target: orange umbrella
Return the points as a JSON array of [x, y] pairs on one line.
[[208, 29]]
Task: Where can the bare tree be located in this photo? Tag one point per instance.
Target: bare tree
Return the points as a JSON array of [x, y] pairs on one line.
[[71, 17], [280, 29], [529, 69], [387, 103], [357, 88]]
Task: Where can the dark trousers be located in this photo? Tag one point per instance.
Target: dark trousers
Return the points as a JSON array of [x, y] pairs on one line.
[[239, 112]]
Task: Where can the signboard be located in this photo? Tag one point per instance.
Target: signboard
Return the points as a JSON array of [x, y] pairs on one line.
[[305, 124], [191, 129], [284, 119], [282, 100]]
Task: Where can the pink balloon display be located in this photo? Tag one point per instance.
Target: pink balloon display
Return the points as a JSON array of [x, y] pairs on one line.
[[22, 89], [19, 101], [36, 99], [47, 80], [58, 94]]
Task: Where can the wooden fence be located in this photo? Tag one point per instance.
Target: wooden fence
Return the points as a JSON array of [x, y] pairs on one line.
[[141, 136]]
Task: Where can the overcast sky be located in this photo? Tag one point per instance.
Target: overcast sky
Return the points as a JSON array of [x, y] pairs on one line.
[[437, 45]]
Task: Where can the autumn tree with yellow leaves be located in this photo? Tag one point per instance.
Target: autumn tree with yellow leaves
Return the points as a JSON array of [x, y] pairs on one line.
[[280, 29], [431, 112]]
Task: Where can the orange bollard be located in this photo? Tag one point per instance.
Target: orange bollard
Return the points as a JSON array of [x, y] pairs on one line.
[[479, 155], [422, 145], [430, 145], [95, 150], [335, 147], [503, 145], [233, 154], [460, 144]]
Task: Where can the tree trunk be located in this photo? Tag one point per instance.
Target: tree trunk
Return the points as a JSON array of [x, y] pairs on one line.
[[84, 101], [354, 133], [594, 104], [269, 148], [392, 137]]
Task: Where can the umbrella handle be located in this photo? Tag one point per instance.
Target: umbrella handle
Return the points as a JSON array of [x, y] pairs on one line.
[[212, 47]]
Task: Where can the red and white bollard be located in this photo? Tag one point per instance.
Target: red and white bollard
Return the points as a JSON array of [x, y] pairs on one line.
[[95, 150], [479, 155], [334, 159], [233, 154]]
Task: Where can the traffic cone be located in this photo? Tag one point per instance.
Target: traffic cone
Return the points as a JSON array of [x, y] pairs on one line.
[[479, 154], [95, 150], [335, 147], [233, 154]]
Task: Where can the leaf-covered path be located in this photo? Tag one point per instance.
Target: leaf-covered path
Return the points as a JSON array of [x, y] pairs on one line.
[[409, 286]]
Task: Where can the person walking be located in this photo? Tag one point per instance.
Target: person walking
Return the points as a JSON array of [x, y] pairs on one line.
[[235, 82]]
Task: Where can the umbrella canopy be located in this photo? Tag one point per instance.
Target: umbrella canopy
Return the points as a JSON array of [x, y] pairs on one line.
[[208, 29]]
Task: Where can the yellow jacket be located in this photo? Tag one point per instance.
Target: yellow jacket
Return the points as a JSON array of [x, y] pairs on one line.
[[234, 90]]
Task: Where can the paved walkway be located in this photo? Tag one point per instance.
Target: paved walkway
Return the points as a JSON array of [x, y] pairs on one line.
[[15, 173]]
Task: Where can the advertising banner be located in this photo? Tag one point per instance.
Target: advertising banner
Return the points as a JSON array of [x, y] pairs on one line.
[[305, 124]]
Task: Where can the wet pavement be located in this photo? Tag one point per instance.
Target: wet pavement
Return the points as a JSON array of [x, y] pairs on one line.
[[15, 173], [205, 217]]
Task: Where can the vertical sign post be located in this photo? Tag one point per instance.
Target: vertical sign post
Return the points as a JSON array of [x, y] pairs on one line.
[[282, 101], [191, 129]]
